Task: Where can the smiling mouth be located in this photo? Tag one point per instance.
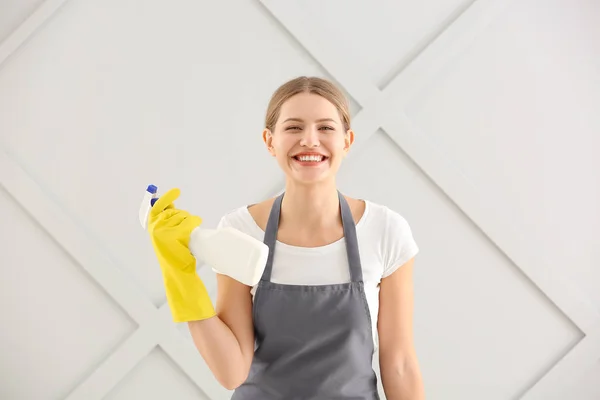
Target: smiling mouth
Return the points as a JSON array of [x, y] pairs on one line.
[[310, 159]]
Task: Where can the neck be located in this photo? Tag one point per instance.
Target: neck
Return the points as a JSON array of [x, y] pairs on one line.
[[310, 206]]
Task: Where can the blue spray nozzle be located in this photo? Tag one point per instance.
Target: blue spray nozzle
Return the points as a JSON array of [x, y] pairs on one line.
[[151, 189], [148, 201]]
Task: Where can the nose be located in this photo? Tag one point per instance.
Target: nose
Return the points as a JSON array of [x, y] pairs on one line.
[[310, 138]]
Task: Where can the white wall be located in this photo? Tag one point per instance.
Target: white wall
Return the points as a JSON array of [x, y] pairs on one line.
[[480, 118]]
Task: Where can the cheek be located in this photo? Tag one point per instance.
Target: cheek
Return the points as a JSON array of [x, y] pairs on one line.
[[283, 146], [335, 146]]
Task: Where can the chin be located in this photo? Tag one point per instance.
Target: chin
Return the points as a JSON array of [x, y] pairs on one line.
[[309, 173], [310, 178]]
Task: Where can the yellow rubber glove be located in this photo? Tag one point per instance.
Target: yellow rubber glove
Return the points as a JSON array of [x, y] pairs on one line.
[[170, 231]]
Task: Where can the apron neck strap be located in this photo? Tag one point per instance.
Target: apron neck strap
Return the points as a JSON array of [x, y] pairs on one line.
[[350, 237]]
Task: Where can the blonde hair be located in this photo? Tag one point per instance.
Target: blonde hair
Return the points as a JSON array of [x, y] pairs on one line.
[[307, 84]]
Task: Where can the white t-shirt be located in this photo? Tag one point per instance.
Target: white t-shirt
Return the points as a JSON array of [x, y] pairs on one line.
[[385, 243]]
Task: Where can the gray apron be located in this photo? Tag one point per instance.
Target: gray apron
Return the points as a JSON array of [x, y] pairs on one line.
[[312, 342]]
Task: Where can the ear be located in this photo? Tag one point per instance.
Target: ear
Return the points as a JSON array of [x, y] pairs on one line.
[[348, 140], [268, 139]]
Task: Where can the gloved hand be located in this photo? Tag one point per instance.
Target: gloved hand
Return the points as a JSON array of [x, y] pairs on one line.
[[170, 231]]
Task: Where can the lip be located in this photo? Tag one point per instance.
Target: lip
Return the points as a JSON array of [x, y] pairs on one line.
[[309, 153]]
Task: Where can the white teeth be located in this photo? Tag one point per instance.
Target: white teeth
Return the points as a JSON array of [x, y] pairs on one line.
[[315, 158]]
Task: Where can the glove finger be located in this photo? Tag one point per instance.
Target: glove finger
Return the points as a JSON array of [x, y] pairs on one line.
[[187, 223], [170, 217], [175, 219], [180, 219], [193, 221], [165, 201]]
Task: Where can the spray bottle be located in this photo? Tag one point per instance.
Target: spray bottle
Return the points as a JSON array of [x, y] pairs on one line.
[[227, 250]]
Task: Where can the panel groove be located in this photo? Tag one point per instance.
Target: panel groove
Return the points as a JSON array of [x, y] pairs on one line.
[[423, 44], [28, 28]]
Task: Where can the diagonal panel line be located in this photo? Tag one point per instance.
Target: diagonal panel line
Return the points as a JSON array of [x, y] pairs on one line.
[[365, 124], [61, 227], [312, 41], [185, 354], [583, 357], [159, 331], [445, 47], [117, 365], [187, 357], [560, 290], [432, 37], [28, 28]]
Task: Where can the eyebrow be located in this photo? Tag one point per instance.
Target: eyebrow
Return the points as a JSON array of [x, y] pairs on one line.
[[319, 120]]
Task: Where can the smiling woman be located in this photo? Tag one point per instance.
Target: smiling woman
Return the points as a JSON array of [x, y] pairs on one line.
[[338, 280], [308, 125]]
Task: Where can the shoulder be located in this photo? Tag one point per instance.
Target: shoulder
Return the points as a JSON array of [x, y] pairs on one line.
[[238, 218], [385, 218], [260, 212], [394, 234], [249, 218]]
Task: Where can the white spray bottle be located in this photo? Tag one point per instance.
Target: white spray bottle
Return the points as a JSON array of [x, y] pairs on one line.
[[227, 250]]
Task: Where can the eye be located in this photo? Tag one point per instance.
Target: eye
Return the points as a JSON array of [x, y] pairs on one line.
[[327, 128], [291, 128]]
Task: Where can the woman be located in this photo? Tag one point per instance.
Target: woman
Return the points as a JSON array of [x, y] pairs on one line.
[[337, 284]]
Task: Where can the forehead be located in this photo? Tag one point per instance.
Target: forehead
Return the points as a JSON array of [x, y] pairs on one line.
[[308, 106]]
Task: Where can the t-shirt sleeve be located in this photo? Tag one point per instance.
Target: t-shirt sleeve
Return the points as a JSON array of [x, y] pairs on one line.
[[399, 245]]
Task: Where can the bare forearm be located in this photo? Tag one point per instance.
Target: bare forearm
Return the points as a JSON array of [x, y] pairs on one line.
[[221, 351], [402, 382]]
